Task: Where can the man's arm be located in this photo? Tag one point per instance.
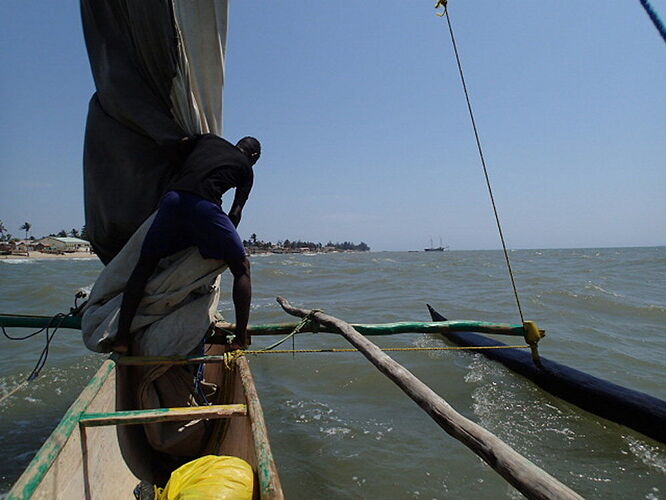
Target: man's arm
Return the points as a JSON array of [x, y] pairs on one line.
[[242, 297], [236, 212]]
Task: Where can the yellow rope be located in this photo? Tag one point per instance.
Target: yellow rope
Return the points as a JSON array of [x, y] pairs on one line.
[[456, 348], [230, 357]]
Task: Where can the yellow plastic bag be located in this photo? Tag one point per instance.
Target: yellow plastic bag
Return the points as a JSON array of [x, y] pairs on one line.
[[210, 478]]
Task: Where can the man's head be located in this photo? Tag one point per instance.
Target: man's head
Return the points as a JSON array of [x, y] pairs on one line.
[[251, 147]]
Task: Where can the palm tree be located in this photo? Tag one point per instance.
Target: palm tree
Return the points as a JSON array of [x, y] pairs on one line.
[[26, 227], [253, 237], [74, 233], [3, 229]]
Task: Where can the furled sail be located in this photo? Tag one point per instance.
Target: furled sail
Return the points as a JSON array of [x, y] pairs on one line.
[[158, 67]]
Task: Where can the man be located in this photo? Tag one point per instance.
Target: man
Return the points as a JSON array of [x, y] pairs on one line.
[[190, 214]]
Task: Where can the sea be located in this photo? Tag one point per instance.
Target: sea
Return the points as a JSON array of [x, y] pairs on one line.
[[340, 429]]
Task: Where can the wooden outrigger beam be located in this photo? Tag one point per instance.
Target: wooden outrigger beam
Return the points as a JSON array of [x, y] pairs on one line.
[[526, 477], [74, 322]]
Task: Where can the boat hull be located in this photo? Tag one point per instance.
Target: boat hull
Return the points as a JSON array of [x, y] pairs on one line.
[[79, 462]]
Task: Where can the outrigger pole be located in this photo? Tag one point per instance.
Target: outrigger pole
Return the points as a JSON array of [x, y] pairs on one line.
[[526, 477], [74, 322]]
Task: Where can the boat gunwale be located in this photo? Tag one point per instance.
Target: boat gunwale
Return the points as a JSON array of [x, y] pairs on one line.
[[41, 463], [270, 487]]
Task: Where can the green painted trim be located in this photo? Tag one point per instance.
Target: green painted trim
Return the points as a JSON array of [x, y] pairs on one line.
[[30, 321], [33, 475], [391, 328], [398, 328], [439, 327]]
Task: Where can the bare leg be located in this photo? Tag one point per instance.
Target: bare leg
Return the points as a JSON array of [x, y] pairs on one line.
[[242, 296], [136, 284]]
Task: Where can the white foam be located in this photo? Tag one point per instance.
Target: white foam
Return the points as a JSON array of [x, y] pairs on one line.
[[649, 455]]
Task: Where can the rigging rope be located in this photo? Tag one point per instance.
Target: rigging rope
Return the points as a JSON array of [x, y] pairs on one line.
[[51, 328], [443, 3], [655, 18]]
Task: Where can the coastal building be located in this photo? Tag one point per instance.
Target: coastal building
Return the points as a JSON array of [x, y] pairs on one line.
[[64, 244]]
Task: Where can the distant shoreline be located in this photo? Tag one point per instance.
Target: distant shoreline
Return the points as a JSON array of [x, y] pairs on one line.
[[309, 251], [52, 256]]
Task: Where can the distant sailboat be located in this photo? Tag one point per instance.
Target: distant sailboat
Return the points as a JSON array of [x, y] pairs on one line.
[[440, 248]]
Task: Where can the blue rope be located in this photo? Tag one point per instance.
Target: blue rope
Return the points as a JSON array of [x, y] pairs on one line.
[[655, 18]]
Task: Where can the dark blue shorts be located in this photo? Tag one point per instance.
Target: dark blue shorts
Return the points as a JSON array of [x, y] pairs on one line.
[[185, 220]]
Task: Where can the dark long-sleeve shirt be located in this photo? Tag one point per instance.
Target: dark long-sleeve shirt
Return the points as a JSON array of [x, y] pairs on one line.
[[212, 168]]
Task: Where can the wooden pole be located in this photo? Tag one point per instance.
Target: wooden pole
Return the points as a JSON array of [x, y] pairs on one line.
[[74, 322], [381, 328], [154, 415], [526, 477]]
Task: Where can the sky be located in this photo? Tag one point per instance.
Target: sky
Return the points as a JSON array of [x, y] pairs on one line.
[[364, 126]]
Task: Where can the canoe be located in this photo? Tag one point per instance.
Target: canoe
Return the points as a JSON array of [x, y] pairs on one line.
[[635, 409], [82, 458]]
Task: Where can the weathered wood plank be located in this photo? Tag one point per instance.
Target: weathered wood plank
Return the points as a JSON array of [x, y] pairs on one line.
[[133, 417], [269, 480], [526, 477]]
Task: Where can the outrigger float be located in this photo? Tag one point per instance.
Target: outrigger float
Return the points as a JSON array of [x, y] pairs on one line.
[[85, 444]]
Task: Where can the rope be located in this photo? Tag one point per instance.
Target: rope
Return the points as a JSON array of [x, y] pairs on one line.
[[655, 18], [297, 329], [50, 329], [483, 161], [54, 323], [388, 349]]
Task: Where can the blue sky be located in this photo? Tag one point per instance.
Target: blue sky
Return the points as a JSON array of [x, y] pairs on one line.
[[364, 126]]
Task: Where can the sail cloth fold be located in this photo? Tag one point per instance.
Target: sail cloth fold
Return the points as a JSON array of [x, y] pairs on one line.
[[176, 311], [158, 67]]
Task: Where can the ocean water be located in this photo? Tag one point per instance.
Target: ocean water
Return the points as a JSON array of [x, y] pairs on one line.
[[340, 429]]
